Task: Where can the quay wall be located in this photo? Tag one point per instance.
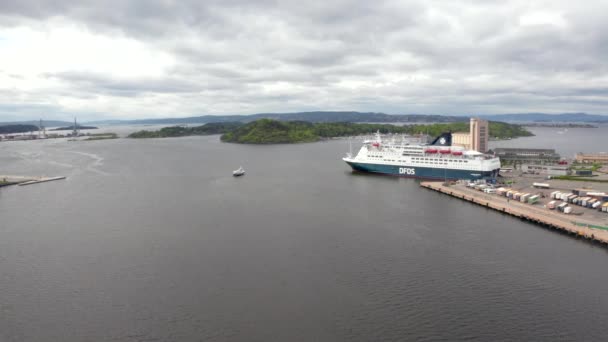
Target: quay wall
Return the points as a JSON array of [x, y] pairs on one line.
[[549, 219]]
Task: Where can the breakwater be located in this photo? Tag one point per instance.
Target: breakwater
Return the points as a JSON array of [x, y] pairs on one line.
[[6, 180]]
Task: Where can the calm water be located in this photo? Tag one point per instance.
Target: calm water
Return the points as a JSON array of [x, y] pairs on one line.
[[567, 142], [155, 241]]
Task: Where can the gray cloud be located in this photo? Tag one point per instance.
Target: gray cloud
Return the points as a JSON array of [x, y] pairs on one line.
[[242, 56]]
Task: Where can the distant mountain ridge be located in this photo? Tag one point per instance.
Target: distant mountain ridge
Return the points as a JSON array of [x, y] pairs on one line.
[[342, 116], [541, 117], [351, 116], [45, 123], [320, 116]]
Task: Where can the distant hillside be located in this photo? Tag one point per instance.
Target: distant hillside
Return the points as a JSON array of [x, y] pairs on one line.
[[302, 116], [343, 116], [180, 131], [10, 129], [349, 116], [70, 128], [45, 123], [357, 117], [540, 117]]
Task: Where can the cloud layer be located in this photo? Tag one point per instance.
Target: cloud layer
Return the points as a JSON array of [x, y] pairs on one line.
[[162, 58]]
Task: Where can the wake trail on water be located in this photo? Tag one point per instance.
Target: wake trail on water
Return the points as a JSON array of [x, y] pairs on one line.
[[97, 161]]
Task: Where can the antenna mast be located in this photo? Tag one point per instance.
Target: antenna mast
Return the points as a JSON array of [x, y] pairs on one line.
[[75, 131]]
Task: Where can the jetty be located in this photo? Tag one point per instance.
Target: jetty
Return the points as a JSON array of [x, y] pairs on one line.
[[544, 217], [26, 180]]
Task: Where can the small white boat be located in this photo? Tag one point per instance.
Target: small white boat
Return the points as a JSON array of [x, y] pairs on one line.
[[238, 172]]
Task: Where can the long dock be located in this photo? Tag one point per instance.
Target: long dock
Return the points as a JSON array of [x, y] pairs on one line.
[[27, 180], [527, 212], [41, 180]]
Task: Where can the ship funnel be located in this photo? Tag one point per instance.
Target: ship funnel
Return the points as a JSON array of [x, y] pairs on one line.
[[445, 139]]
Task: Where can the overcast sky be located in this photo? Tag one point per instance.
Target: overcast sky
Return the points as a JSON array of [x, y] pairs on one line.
[[166, 58]]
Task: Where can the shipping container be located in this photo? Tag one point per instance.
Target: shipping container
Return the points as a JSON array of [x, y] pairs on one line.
[[567, 210], [553, 194], [605, 207], [533, 199], [591, 202], [565, 195], [571, 198], [562, 206], [517, 196], [597, 205], [602, 196], [489, 191], [524, 198], [541, 185], [551, 205]]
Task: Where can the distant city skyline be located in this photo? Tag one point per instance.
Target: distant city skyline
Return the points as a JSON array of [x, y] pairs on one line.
[[121, 60]]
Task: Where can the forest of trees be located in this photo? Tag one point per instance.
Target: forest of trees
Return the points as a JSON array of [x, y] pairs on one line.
[[268, 131], [182, 131]]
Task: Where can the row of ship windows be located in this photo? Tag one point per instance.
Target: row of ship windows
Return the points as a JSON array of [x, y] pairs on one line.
[[431, 160], [417, 161], [425, 160]]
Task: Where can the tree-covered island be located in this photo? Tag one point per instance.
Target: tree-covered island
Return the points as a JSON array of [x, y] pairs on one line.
[[183, 131], [268, 131]]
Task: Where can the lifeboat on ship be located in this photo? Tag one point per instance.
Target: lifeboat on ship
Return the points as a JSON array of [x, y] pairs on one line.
[[457, 153], [444, 151], [430, 150]]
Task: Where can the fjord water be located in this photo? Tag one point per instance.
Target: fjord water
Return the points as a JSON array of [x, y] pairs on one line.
[[154, 240]]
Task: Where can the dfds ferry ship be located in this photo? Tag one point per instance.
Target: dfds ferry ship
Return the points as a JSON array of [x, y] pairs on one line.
[[438, 160]]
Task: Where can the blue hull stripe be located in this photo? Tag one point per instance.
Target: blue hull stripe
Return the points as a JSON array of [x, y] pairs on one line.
[[421, 172]]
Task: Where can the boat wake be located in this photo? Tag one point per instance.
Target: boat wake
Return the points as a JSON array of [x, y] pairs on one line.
[[97, 162]]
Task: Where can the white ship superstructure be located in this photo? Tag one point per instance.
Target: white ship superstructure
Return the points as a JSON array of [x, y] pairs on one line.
[[438, 160]]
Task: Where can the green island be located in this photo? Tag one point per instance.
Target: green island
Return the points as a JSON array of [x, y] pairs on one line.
[[268, 131], [182, 131]]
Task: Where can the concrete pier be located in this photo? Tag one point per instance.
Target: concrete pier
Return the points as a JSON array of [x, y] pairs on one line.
[[26, 180], [41, 180], [550, 219]]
